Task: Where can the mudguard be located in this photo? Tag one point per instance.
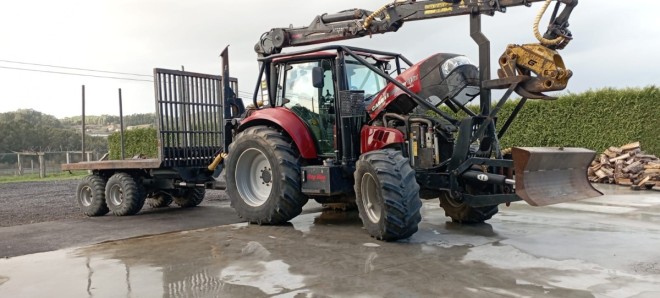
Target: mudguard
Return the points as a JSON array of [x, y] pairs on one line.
[[289, 122]]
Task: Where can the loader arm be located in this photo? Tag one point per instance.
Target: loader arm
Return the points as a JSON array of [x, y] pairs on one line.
[[356, 23]]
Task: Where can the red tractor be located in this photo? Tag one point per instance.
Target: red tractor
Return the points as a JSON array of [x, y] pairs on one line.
[[355, 126], [350, 125]]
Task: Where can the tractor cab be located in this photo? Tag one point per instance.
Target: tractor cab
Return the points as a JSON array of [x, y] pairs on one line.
[[308, 85]]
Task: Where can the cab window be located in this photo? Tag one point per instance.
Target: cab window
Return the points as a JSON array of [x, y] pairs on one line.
[[315, 106]]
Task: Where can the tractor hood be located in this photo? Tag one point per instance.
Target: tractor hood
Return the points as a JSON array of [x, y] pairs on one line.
[[440, 78]]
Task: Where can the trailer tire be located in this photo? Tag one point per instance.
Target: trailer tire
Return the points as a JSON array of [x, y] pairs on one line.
[[387, 195], [90, 196], [460, 212], [264, 177], [124, 195], [159, 200], [190, 197]]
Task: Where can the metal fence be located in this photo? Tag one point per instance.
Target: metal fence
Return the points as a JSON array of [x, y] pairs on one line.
[[44, 163]]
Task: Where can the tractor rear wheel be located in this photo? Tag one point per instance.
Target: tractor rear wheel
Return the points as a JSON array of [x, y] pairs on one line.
[[387, 195], [461, 212], [190, 197], [90, 196], [124, 195], [264, 177]]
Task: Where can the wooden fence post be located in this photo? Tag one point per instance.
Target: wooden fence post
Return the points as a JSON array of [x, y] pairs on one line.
[[42, 165], [20, 165]]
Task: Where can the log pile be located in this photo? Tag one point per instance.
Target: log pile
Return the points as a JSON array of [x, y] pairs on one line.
[[626, 165]]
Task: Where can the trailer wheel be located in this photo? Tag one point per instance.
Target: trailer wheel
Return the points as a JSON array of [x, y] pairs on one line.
[[159, 200], [263, 176], [90, 196], [460, 212], [387, 195], [190, 197], [124, 195]]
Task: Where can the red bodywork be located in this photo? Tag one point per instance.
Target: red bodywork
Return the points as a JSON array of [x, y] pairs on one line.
[[288, 121], [376, 137], [409, 78], [371, 137]]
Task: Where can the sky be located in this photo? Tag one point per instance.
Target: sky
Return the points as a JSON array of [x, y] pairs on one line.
[[615, 45]]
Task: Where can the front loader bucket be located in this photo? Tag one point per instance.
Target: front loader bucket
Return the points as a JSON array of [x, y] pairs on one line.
[[546, 176]]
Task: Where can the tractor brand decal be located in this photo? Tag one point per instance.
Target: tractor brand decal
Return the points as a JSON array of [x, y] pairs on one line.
[[381, 100], [411, 81], [316, 177], [482, 177]]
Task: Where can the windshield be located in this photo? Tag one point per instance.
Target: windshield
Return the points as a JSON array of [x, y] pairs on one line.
[[362, 78]]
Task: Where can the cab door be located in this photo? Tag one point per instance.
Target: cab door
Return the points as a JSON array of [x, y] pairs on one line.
[[315, 106]]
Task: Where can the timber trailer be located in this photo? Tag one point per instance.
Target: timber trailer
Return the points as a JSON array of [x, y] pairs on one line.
[[354, 126]]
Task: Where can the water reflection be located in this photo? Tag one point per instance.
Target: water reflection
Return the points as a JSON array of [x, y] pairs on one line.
[[320, 254]]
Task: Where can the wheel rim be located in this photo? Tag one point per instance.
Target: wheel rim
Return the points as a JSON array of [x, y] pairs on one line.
[[86, 196], [369, 191], [116, 195], [254, 177]]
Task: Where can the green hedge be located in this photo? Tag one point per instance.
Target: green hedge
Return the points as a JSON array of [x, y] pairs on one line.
[[137, 141], [593, 119]]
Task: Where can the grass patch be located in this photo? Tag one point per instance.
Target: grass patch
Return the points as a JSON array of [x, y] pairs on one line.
[[49, 177]]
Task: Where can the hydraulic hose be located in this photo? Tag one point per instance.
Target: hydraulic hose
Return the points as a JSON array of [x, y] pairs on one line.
[[538, 35], [372, 16]]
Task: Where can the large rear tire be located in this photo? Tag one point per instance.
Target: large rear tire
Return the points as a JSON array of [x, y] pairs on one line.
[[190, 197], [90, 196], [460, 212], [264, 177], [124, 195], [387, 195]]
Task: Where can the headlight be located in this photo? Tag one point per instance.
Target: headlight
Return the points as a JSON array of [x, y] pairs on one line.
[[451, 64]]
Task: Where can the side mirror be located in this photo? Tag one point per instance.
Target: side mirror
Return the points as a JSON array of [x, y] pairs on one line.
[[317, 77], [388, 66]]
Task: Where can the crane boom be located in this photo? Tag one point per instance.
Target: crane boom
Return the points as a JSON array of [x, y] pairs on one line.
[[355, 23]]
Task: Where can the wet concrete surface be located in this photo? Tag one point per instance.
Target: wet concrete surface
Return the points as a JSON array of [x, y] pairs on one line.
[[603, 247], [52, 235]]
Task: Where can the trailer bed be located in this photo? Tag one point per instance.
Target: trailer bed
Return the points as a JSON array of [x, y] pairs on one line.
[[114, 164]]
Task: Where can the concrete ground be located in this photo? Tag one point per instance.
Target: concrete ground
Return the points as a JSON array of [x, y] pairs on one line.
[[603, 247]]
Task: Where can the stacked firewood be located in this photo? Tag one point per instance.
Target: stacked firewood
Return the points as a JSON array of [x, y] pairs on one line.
[[626, 165]]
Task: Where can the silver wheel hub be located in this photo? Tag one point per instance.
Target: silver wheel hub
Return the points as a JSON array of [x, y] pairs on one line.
[[369, 193], [254, 177], [86, 196], [116, 195]]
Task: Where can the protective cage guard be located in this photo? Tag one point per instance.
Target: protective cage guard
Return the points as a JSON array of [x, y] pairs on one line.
[[190, 107]]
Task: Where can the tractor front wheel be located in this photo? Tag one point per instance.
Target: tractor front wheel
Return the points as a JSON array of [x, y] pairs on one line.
[[159, 200], [190, 197], [461, 212], [387, 195], [264, 176]]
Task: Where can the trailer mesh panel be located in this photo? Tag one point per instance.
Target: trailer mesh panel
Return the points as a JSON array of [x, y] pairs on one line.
[[190, 107]]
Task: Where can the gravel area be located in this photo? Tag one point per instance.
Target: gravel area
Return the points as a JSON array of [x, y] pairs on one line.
[[32, 202]]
